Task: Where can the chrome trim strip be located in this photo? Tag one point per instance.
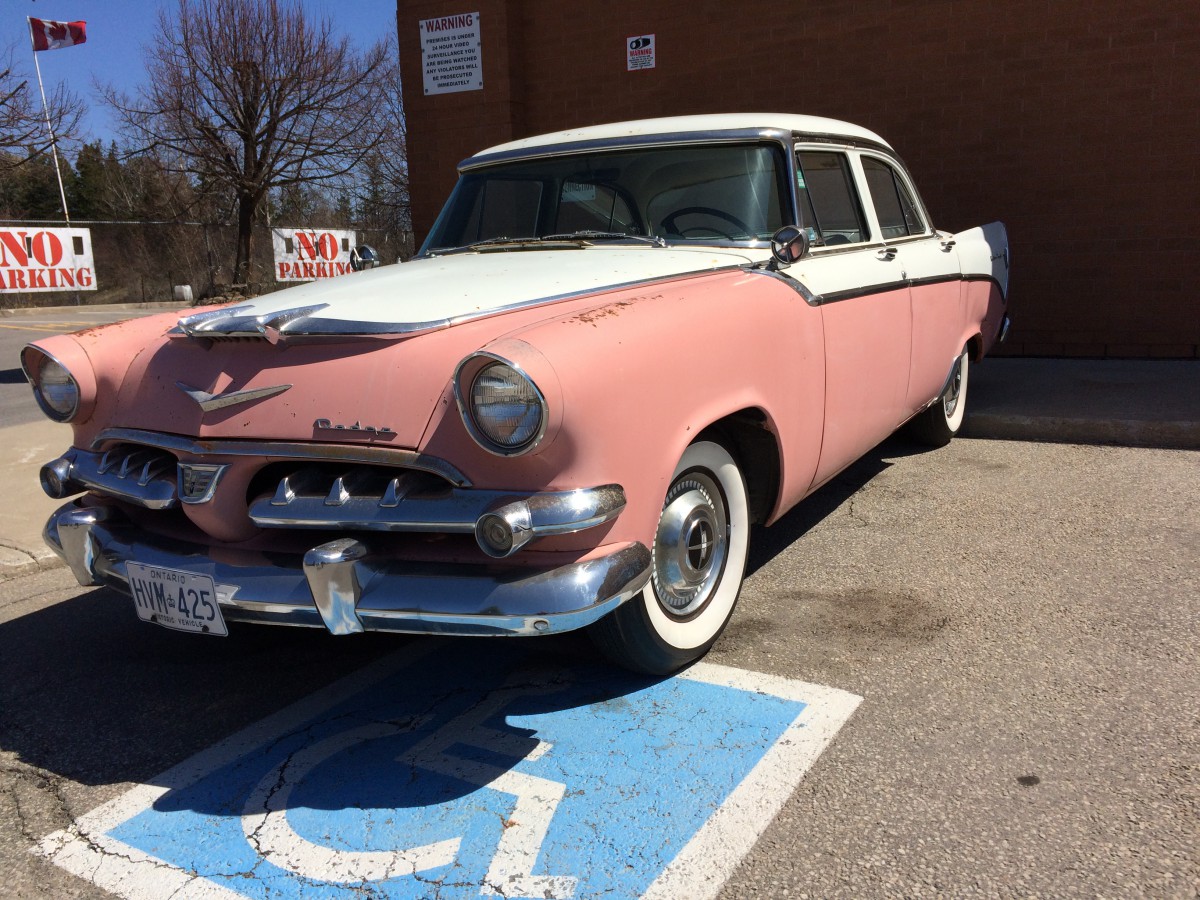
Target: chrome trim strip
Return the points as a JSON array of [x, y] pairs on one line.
[[310, 327], [136, 476], [410, 597], [630, 142], [226, 322], [208, 402], [342, 453], [454, 511]]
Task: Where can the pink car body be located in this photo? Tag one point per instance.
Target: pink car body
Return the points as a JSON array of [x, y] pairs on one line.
[[531, 427]]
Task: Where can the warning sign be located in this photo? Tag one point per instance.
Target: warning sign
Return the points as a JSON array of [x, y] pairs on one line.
[[450, 54], [640, 52]]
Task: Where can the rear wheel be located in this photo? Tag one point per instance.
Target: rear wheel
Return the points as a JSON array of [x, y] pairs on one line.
[[699, 558], [938, 425]]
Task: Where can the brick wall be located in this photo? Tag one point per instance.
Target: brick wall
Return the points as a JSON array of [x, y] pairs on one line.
[[1076, 122]]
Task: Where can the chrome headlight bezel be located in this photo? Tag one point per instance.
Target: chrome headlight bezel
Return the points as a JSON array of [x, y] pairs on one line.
[[36, 363], [466, 381]]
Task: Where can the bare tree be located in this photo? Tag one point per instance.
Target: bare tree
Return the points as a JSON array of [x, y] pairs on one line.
[[23, 133], [254, 94]]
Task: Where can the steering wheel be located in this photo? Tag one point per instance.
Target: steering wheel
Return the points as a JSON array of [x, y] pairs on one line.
[[668, 223]]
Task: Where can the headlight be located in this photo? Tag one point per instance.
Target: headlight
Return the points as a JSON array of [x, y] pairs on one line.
[[501, 406], [56, 390]]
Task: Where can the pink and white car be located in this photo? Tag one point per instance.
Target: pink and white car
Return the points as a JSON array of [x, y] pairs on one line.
[[619, 348]]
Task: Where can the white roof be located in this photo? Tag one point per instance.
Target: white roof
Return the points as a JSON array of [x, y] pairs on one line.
[[678, 124]]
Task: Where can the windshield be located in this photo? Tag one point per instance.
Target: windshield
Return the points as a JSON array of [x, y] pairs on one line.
[[709, 194]]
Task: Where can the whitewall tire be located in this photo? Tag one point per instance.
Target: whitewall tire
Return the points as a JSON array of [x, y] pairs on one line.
[[938, 425], [699, 558]]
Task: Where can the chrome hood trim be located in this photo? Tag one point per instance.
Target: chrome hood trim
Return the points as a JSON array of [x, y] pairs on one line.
[[431, 293]]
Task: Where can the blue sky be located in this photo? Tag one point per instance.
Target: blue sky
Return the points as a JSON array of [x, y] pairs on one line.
[[117, 30]]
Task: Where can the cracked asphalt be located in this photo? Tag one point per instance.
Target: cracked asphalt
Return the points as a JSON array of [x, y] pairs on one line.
[[1020, 619]]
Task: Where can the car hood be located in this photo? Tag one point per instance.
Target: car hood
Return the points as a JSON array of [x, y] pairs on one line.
[[435, 292], [362, 358]]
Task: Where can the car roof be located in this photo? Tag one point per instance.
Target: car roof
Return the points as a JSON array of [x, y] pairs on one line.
[[680, 125]]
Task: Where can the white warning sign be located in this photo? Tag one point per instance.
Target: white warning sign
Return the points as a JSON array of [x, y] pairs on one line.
[[640, 52], [451, 54]]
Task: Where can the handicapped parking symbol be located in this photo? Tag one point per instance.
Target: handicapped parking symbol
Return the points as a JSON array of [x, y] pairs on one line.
[[510, 874], [477, 774]]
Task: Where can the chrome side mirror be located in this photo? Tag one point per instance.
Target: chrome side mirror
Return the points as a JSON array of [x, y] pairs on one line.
[[363, 257], [789, 245]]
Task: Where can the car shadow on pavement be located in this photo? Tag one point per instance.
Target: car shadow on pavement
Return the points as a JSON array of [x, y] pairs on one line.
[[90, 693], [767, 543], [12, 376]]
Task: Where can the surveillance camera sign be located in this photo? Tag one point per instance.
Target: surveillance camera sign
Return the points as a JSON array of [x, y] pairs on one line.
[[639, 52], [451, 55]]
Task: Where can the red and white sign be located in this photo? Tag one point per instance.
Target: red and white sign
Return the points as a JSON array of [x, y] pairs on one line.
[[639, 52], [49, 35], [36, 260], [306, 254]]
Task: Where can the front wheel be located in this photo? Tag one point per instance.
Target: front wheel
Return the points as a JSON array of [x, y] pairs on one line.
[[698, 560], [938, 425]]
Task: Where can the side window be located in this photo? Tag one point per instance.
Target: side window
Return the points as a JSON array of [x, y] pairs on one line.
[[828, 200], [894, 204]]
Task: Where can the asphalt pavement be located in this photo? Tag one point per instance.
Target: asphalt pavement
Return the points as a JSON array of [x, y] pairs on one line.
[[1133, 403]]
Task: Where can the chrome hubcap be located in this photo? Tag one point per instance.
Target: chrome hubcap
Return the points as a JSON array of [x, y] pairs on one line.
[[950, 401], [690, 546]]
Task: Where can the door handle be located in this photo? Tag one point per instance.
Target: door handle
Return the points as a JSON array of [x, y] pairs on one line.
[[886, 254], [947, 245]]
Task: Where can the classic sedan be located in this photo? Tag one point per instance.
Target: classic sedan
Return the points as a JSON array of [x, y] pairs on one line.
[[619, 348]]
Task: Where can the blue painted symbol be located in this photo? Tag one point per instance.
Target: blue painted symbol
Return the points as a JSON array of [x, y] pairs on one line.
[[477, 775]]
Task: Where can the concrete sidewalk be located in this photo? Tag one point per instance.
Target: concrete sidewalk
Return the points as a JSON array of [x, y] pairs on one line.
[[1132, 403]]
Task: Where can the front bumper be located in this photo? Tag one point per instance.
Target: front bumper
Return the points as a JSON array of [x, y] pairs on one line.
[[345, 587]]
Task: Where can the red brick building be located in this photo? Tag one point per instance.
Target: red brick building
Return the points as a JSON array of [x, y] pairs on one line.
[[1076, 122]]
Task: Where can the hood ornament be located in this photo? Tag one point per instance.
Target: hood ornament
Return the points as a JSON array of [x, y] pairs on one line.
[[208, 402]]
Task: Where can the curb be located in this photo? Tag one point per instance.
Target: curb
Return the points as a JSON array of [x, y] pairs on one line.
[[15, 563], [1065, 430], [79, 307]]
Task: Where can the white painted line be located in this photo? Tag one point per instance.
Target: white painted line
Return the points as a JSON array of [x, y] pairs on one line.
[[708, 860]]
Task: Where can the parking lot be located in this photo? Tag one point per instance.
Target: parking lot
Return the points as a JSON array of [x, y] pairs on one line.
[[991, 646]]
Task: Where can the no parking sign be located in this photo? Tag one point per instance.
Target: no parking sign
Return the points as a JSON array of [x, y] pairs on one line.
[[478, 775]]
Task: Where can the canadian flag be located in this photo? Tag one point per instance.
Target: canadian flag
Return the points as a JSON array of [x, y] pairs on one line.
[[56, 35]]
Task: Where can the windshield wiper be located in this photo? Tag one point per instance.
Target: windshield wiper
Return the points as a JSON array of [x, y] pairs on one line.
[[592, 235]]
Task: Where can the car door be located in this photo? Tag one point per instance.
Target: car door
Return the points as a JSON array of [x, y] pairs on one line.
[[858, 282], [930, 265]]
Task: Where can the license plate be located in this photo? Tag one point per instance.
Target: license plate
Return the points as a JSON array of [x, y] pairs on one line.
[[185, 601]]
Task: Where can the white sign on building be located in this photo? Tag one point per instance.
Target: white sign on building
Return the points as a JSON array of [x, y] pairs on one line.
[[451, 54], [36, 260], [639, 52], [306, 254]]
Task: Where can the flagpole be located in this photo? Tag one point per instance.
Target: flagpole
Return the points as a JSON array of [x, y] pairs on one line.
[[50, 128]]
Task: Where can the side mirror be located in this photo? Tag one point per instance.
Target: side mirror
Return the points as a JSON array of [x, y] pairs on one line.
[[789, 245], [363, 257]]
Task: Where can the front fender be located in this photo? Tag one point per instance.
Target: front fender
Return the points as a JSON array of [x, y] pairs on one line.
[[640, 374]]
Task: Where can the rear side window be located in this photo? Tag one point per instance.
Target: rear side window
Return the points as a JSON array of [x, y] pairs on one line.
[[894, 204], [828, 201]]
